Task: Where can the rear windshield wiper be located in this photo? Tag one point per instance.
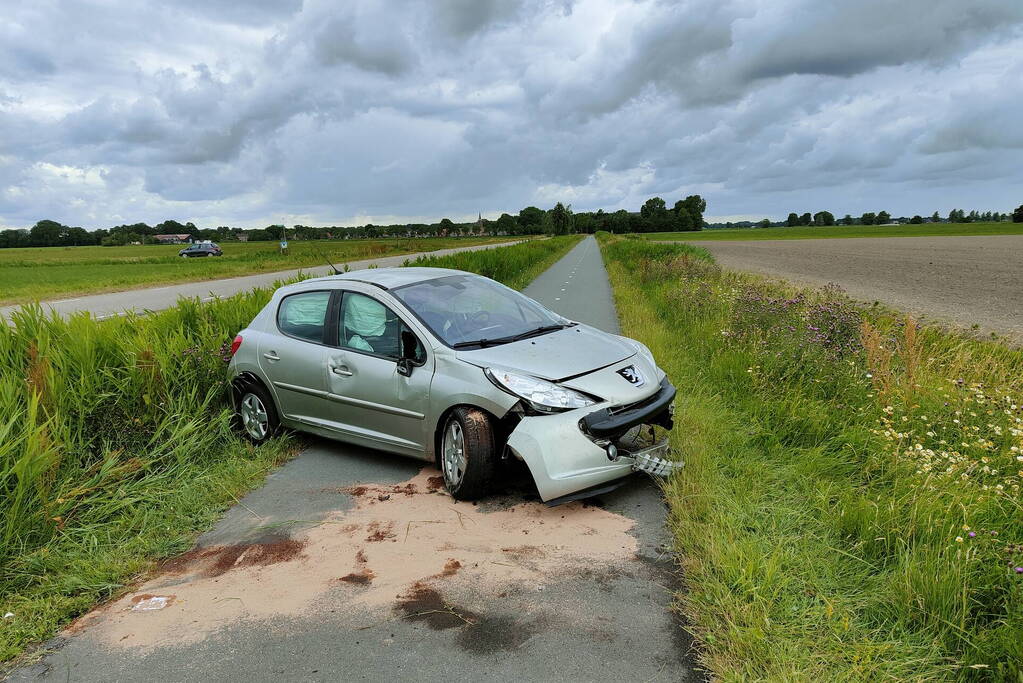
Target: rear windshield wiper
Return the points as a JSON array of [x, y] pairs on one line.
[[543, 329]]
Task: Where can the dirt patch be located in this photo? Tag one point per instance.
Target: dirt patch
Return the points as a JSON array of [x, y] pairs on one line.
[[423, 603], [360, 578], [218, 560], [435, 483], [451, 568], [405, 540], [380, 532], [381, 493]]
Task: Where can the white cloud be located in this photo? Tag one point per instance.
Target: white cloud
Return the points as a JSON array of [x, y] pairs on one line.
[[250, 112]]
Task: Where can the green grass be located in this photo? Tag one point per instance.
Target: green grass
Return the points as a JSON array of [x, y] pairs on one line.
[[810, 232], [834, 455], [116, 447], [45, 273]]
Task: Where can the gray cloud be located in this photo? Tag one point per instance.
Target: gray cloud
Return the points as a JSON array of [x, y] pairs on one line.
[[248, 112]]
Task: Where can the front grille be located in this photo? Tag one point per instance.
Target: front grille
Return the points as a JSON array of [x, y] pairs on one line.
[[617, 410]]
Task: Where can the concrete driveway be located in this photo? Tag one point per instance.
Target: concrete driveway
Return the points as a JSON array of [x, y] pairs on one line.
[[351, 564]]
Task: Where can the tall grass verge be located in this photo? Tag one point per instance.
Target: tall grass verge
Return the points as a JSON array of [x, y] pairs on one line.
[[116, 446], [850, 509]]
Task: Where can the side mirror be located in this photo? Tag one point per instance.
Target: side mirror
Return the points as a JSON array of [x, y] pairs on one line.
[[409, 344]]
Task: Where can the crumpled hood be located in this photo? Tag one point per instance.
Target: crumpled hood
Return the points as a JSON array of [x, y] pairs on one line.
[[556, 355]]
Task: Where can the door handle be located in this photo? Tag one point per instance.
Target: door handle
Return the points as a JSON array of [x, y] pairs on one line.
[[271, 355], [341, 370]]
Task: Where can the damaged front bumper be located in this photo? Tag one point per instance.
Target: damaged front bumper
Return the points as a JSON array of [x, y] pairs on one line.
[[581, 450]]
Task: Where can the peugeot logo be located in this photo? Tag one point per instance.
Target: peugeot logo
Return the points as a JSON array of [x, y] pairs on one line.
[[633, 375]]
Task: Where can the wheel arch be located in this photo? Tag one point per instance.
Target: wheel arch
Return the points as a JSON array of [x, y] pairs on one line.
[[438, 428], [247, 378]]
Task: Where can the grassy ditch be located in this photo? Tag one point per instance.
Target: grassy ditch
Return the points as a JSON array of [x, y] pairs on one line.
[[851, 508], [116, 447], [46, 272]]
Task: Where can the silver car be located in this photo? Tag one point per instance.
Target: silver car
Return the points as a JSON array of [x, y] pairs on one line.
[[456, 369]]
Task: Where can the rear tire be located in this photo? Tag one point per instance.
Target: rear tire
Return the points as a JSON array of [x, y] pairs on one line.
[[256, 414], [468, 457]]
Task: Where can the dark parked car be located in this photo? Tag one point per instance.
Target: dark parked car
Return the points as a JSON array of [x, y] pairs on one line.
[[201, 250]]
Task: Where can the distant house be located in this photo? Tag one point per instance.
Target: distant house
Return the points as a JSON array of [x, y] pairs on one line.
[[243, 237], [172, 239]]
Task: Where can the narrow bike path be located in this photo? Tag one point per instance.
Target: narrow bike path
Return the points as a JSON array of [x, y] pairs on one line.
[[350, 564]]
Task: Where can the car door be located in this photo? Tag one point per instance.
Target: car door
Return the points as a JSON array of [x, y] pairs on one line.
[[374, 403], [293, 356]]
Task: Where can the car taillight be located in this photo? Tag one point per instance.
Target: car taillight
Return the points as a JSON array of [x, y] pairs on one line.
[[235, 344]]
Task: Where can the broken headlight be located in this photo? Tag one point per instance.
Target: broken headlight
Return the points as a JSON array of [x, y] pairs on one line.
[[539, 394]]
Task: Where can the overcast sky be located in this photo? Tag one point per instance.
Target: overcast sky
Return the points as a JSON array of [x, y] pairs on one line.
[[249, 112]]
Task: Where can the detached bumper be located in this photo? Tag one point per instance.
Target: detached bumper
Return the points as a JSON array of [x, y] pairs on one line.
[[564, 460], [612, 421]]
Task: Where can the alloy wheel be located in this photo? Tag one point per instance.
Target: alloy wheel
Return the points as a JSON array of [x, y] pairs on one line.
[[254, 417], [454, 458]]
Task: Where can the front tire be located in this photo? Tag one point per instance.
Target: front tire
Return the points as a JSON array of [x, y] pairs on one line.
[[257, 414], [468, 456]]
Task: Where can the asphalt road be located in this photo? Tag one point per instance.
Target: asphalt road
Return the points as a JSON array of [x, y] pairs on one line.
[[350, 564], [156, 298], [963, 281]]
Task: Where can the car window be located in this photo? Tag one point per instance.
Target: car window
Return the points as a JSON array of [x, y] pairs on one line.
[[304, 315], [369, 326], [463, 308]]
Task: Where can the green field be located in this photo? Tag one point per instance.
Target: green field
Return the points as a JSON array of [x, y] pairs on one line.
[[811, 232], [50, 272], [850, 508]]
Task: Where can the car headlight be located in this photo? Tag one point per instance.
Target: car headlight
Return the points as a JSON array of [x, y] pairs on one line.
[[541, 395]]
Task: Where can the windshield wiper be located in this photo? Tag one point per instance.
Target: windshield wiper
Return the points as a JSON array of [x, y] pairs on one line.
[[543, 329]]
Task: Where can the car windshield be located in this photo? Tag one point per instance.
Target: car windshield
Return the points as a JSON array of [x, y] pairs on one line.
[[468, 311]]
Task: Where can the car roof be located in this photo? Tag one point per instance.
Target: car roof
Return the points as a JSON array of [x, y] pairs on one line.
[[390, 278]]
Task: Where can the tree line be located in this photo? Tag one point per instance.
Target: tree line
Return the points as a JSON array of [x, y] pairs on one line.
[[822, 218], [653, 216]]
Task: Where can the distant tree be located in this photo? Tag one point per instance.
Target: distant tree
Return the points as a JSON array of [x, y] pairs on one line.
[[46, 233], [694, 205], [884, 217], [684, 220], [507, 224], [848, 220], [935, 218], [956, 216], [14, 238], [561, 218], [531, 219], [619, 222], [916, 220], [1017, 215], [585, 223], [868, 219], [823, 218], [766, 223], [806, 219], [654, 213], [792, 220]]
